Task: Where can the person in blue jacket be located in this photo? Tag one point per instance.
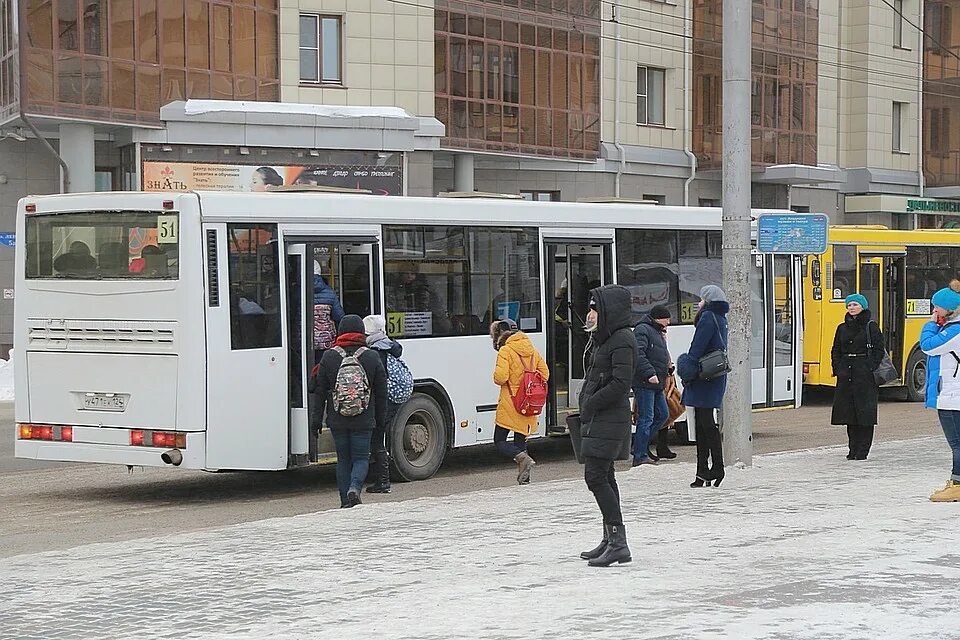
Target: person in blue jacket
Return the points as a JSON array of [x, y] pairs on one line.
[[940, 340], [706, 396], [324, 294]]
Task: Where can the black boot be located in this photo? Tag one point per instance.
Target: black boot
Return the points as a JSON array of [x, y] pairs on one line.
[[381, 475], [662, 449], [617, 549], [597, 551]]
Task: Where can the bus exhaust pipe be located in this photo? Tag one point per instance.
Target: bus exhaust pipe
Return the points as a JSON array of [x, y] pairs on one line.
[[173, 457]]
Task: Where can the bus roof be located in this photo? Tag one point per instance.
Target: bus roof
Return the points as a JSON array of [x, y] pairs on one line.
[[879, 235], [340, 208]]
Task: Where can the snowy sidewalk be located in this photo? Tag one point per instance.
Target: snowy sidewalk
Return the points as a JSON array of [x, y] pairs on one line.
[[803, 545]]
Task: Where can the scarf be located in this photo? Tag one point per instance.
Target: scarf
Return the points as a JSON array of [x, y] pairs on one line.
[[345, 340], [376, 337]]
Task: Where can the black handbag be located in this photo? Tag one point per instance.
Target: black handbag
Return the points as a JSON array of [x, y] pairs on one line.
[[716, 363], [885, 373]]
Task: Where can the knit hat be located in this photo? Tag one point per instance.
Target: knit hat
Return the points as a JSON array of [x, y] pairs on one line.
[[949, 297], [858, 298], [350, 324], [660, 312], [713, 293], [374, 324]]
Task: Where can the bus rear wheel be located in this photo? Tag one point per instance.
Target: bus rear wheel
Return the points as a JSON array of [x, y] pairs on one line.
[[418, 439], [916, 376]]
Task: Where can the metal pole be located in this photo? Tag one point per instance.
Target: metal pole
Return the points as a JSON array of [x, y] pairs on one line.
[[737, 428]]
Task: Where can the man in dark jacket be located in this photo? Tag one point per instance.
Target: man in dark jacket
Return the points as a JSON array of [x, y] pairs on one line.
[[605, 413], [352, 434], [653, 367]]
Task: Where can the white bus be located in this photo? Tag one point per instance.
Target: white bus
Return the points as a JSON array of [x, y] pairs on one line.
[[176, 328]]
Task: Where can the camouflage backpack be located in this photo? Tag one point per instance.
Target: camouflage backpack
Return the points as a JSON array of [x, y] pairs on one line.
[[351, 392]]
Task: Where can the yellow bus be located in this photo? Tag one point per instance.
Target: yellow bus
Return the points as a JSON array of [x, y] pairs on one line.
[[897, 271]]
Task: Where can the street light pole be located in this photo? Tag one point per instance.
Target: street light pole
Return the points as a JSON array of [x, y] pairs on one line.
[[737, 42]]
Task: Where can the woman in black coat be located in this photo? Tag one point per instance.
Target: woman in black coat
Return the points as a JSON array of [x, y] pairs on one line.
[[605, 414], [857, 352]]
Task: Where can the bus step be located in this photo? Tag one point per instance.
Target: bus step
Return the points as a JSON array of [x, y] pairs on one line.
[[556, 430]]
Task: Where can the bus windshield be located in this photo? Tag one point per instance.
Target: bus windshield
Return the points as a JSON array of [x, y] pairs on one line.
[[103, 245]]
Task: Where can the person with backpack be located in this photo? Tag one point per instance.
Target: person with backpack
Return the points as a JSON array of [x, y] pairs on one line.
[[522, 375], [351, 384], [327, 313], [399, 390]]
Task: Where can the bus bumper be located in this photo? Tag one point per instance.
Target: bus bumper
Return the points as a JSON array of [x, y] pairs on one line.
[[194, 454]]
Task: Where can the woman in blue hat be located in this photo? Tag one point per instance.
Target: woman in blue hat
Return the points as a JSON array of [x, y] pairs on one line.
[[940, 340], [857, 352]]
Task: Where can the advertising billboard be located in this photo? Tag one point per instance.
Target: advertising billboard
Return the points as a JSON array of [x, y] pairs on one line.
[[189, 176]]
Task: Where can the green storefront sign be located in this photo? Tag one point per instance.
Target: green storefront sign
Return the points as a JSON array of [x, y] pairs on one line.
[[933, 206]]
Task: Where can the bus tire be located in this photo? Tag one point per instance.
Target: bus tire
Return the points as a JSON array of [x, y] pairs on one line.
[[418, 439], [915, 377]]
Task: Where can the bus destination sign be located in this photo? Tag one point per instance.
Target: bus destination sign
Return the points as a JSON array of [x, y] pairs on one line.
[[794, 233]]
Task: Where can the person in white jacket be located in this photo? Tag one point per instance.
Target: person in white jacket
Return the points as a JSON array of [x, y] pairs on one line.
[[940, 340]]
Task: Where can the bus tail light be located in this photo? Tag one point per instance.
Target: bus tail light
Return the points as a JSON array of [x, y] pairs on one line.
[[165, 439], [806, 369], [30, 208], [44, 432]]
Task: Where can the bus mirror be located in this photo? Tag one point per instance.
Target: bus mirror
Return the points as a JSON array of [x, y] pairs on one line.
[[815, 272]]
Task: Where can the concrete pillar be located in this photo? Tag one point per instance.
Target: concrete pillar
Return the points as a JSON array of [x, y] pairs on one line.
[[77, 150], [463, 172]]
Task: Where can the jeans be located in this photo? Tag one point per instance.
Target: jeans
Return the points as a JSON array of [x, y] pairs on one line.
[[353, 459], [709, 444], [510, 450], [652, 413], [950, 421], [602, 482]]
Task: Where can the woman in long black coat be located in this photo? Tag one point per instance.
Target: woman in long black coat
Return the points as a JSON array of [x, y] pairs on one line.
[[605, 414], [857, 352]]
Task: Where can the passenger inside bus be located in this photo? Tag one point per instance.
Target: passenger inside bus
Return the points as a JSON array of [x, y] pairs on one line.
[[77, 261], [114, 258]]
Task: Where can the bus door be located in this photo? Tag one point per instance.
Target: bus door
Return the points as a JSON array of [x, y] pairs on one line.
[[572, 271], [350, 268], [883, 284], [246, 354], [776, 330]]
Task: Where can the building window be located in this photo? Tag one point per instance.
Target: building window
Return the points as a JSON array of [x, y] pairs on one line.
[[658, 199], [651, 106], [898, 23], [541, 196], [897, 132], [320, 49]]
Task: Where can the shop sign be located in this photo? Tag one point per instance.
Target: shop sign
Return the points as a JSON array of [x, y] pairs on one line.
[[933, 206]]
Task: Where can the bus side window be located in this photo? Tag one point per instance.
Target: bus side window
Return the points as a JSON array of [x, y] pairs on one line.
[[254, 286]]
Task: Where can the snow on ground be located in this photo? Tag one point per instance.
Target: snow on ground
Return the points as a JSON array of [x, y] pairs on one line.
[[804, 545]]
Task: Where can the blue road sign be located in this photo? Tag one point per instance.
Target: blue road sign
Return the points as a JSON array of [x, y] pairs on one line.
[[800, 233], [8, 239]]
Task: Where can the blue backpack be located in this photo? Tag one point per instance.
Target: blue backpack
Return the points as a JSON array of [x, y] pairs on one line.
[[399, 380]]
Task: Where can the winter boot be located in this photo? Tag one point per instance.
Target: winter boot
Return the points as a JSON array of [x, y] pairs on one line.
[[524, 464], [662, 449], [617, 549], [950, 493], [381, 474], [597, 551]]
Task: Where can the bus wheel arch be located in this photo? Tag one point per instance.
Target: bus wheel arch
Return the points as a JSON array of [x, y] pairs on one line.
[[420, 433], [915, 375]]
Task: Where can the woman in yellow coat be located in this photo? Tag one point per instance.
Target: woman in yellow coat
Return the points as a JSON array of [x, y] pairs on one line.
[[515, 355]]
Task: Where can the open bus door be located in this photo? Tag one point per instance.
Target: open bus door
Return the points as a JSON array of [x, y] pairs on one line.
[[246, 353], [572, 269], [883, 284], [350, 266]]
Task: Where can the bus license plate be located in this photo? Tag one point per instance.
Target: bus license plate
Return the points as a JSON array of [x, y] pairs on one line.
[[105, 402]]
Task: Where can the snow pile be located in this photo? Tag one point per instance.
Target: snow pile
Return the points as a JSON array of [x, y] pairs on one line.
[[6, 379]]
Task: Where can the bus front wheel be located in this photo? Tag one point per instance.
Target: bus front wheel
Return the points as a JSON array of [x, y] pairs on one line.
[[418, 438], [916, 376]]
